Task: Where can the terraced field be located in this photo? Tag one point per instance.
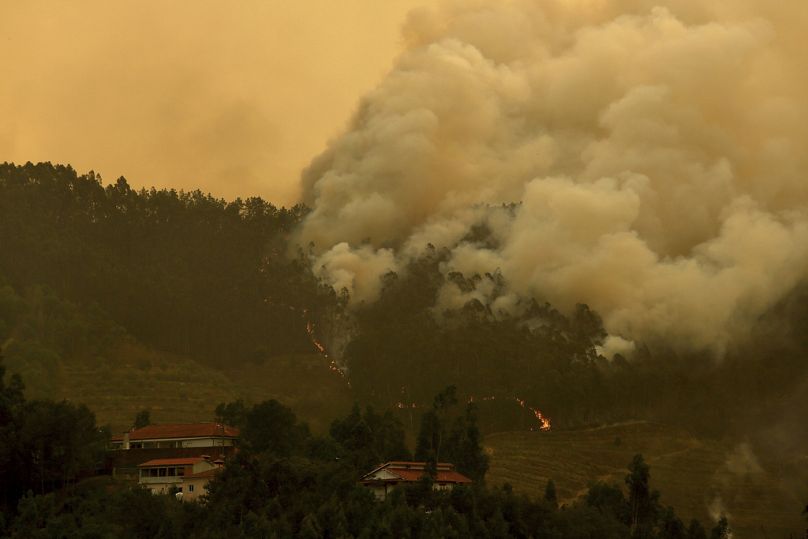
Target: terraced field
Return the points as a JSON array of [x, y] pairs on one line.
[[178, 389], [699, 478]]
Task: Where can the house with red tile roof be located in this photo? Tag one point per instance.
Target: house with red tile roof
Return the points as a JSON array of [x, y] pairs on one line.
[[177, 440], [392, 474], [163, 476]]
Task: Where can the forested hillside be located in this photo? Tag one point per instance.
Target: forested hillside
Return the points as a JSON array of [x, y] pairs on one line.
[[88, 270], [125, 300], [181, 271], [551, 361]]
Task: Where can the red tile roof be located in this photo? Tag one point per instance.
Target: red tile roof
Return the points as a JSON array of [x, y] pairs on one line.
[[408, 472], [180, 430], [189, 461], [442, 476], [416, 465]]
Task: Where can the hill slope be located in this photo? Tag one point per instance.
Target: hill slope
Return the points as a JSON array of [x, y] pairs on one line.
[[697, 477], [68, 350], [178, 389]]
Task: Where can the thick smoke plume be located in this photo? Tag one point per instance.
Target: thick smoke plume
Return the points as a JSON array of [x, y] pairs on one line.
[[645, 158]]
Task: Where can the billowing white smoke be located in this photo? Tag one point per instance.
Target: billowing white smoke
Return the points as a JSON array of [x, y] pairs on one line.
[[656, 153]]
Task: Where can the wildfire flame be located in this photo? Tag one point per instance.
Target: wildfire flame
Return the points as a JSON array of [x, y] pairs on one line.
[[544, 423], [406, 405], [332, 365]]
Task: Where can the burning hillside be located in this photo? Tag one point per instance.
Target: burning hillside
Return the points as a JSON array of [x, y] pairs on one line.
[[645, 159]]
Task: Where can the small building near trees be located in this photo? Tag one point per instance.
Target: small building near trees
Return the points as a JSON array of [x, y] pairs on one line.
[[189, 476], [196, 484], [392, 474]]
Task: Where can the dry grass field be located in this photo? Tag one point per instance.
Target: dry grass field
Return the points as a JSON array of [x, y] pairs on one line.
[[697, 477]]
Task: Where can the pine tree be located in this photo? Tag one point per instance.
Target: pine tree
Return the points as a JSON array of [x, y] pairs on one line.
[[142, 419], [641, 500], [550, 493], [721, 530], [696, 530], [310, 528]]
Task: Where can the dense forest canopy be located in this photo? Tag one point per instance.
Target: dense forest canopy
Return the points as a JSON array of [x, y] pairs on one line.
[[182, 271]]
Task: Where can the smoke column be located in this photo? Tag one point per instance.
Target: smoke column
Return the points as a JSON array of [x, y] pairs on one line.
[[653, 153]]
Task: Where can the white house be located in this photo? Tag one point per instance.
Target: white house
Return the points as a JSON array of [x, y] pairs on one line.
[[162, 476]]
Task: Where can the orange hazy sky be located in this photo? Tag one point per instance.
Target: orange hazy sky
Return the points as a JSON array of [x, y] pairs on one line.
[[233, 98]]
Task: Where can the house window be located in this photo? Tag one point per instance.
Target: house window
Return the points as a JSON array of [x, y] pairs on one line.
[[162, 472], [152, 472], [180, 472], [172, 472], [190, 488]]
